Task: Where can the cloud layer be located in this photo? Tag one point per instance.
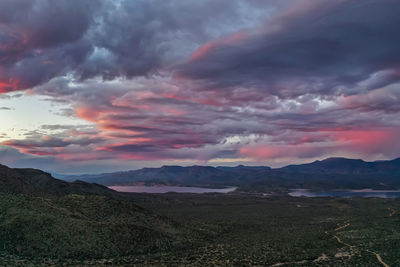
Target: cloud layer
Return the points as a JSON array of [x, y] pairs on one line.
[[206, 81]]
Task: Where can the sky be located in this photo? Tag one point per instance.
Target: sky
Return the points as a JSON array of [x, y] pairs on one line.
[[89, 86]]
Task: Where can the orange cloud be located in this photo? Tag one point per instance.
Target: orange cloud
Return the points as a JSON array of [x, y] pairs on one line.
[[4, 87], [207, 48], [364, 142]]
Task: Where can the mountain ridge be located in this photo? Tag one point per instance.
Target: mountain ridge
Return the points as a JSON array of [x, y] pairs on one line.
[[344, 171], [38, 182]]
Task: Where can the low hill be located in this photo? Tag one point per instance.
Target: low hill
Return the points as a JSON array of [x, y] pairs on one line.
[[81, 226], [37, 182], [43, 217]]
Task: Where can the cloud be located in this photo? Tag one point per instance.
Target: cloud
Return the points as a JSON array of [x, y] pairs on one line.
[[350, 142], [326, 48], [48, 141], [384, 100], [41, 40], [173, 81]]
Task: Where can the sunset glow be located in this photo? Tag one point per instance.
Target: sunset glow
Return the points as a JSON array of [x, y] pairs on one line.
[[123, 84]]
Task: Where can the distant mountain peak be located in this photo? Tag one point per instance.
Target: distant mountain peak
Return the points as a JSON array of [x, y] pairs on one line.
[[339, 159], [169, 167]]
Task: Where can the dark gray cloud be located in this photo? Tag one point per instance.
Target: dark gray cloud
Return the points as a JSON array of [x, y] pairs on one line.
[[41, 39], [327, 48], [52, 142], [43, 23]]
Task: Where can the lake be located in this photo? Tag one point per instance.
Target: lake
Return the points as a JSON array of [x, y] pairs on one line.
[[159, 189], [345, 193]]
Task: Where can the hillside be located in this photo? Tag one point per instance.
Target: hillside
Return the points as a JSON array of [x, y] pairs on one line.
[[37, 182], [41, 216], [64, 229], [81, 226]]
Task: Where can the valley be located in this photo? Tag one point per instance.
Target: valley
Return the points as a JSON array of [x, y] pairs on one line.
[[198, 230], [87, 227]]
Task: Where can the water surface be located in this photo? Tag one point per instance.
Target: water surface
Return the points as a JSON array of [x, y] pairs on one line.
[[160, 189], [345, 193]]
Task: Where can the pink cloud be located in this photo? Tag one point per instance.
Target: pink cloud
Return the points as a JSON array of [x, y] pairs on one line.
[[207, 48], [364, 143]]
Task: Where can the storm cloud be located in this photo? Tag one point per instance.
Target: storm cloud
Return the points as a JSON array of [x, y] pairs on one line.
[[41, 39], [324, 48], [265, 82]]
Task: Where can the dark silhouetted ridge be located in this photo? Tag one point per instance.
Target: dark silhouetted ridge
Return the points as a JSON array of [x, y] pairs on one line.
[[330, 173], [37, 182]]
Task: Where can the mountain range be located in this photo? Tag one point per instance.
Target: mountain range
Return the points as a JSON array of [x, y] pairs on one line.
[[331, 173]]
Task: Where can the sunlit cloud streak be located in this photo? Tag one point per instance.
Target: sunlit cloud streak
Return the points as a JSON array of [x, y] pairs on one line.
[[179, 81]]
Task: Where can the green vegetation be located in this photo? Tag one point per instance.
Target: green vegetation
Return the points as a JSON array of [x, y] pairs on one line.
[[45, 221], [206, 229], [81, 227], [250, 230]]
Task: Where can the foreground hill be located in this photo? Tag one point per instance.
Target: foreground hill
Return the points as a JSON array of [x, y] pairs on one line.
[[81, 226], [41, 216], [37, 182], [331, 173]]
